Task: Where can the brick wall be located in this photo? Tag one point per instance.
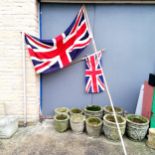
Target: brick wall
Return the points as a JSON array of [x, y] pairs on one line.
[[17, 16]]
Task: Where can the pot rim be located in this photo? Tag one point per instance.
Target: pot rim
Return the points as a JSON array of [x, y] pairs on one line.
[[114, 123], [57, 109], [128, 120], [90, 105], [105, 108], [67, 117], [76, 109], [100, 123]]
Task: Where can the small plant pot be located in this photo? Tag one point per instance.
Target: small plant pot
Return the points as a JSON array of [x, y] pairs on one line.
[[110, 128], [93, 126], [61, 110], [151, 138], [61, 122], [93, 111], [75, 111], [77, 123], [108, 110], [137, 127]]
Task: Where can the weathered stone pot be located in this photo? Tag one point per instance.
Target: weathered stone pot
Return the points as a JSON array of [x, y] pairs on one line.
[[151, 138], [8, 126], [75, 111], [61, 110], [77, 123], [108, 110], [93, 111], [93, 126], [61, 122], [110, 129], [136, 127]]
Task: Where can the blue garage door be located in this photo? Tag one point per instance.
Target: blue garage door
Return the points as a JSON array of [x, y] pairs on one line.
[[127, 32]]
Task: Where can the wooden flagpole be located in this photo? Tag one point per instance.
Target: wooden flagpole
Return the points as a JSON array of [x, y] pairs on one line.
[[24, 81], [106, 84]]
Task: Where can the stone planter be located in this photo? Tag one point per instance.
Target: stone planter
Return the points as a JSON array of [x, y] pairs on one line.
[[108, 110], [75, 111], [93, 111], [137, 127], [93, 126], [8, 126], [77, 123], [151, 138], [61, 122], [61, 110], [109, 126]]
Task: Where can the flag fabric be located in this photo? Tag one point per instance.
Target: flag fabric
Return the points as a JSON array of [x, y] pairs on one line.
[[94, 81], [51, 55]]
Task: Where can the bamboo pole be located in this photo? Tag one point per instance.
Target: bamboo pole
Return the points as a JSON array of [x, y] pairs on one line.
[[24, 81], [106, 84]]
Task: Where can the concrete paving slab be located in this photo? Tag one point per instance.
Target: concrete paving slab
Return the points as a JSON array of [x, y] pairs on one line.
[[42, 139]]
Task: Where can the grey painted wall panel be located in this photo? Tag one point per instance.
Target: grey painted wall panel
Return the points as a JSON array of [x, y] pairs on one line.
[[127, 32]]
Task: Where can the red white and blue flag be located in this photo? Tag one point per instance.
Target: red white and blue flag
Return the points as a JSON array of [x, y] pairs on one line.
[[51, 55], [94, 81]]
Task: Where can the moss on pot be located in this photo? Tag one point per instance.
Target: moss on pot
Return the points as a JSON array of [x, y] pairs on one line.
[[61, 117], [94, 121], [108, 110], [75, 111], [93, 111], [110, 128], [61, 122], [93, 126], [137, 119], [61, 110], [137, 127], [112, 119], [93, 108]]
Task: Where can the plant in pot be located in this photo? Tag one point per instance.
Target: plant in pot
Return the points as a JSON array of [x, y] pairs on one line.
[[136, 127], [108, 110], [93, 126], [93, 111], [61, 110], [110, 129], [61, 122], [77, 123], [75, 111]]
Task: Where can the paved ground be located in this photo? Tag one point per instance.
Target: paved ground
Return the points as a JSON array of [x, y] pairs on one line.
[[42, 139]]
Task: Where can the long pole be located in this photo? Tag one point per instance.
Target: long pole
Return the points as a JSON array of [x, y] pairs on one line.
[[106, 84], [24, 82]]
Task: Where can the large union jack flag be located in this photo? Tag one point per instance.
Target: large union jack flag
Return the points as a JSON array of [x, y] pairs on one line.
[[94, 74], [50, 55]]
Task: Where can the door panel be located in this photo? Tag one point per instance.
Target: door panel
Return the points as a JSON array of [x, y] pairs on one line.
[[127, 33]]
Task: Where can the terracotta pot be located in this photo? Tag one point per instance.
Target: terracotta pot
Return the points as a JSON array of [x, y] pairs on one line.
[[61, 110], [61, 122], [77, 123], [137, 127], [108, 110], [93, 126], [93, 111], [110, 129], [75, 111]]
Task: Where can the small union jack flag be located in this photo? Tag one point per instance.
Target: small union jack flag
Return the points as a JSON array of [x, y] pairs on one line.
[[51, 55], [94, 74]]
